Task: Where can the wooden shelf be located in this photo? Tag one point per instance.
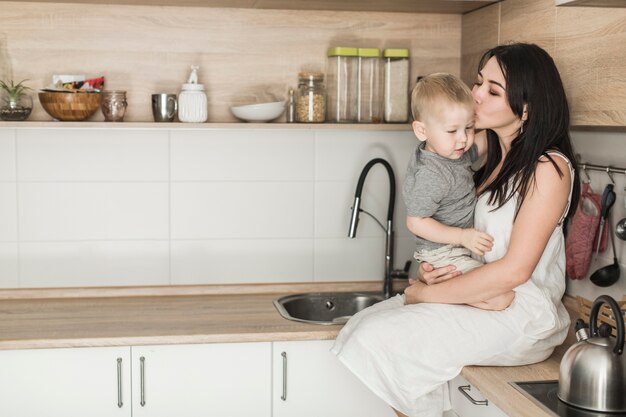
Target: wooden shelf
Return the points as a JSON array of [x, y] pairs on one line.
[[177, 126], [405, 6]]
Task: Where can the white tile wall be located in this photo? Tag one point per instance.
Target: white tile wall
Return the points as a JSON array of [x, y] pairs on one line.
[[604, 148], [243, 155], [9, 275], [79, 211], [8, 212], [242, 210], [94, 263], [92, 155], [242, 261], [98, 207], [7, 155]]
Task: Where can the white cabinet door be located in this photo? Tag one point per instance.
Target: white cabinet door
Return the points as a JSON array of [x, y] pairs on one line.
[[75, 382], [309, 381], [220, 380], [464, 407]]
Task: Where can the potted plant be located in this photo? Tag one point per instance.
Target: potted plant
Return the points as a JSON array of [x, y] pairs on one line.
[[15, 102]]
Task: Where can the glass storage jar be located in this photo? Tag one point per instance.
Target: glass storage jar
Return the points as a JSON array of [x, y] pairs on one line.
[[311, 98], [369, 86], [396, 85], [341, 81]]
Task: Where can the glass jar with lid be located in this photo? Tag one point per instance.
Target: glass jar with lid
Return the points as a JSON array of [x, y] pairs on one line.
[[311, 98], [341, 81], [369, 86], [396, 85]]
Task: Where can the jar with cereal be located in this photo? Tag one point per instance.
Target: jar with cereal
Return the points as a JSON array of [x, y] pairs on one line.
[[311, 98]]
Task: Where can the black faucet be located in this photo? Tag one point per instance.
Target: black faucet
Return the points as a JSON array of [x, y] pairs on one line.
[[354, 222]]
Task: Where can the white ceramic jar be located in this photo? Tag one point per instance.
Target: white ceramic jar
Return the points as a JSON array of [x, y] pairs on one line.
[[192, 104]]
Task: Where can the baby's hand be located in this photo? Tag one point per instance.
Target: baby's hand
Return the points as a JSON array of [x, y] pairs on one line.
[[476, 241]]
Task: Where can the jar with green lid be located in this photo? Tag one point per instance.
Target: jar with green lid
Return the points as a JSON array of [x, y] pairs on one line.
[[341, 81], [396, 85], [369, 102], [311, 98]]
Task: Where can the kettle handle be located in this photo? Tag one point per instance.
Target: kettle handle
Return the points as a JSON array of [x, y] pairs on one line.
[[619, 320]]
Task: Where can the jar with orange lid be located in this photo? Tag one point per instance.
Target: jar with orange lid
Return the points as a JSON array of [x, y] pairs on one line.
[[311, 98]]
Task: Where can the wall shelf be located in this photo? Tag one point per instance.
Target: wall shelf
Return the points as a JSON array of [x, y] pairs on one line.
[[182, 126]]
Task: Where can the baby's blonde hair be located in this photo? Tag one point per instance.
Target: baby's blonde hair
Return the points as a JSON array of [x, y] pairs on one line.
[[438, 86]]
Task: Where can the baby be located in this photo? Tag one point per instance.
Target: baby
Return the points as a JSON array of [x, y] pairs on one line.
[[438, 188]]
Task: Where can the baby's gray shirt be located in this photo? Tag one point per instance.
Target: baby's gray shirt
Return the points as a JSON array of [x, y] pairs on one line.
[[440, 188]]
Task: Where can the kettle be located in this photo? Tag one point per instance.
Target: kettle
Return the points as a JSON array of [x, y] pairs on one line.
[[592, 374]]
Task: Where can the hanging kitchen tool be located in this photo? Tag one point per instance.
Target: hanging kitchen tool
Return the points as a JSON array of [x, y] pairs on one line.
[[607, 275], [592, 374], [607, 201]]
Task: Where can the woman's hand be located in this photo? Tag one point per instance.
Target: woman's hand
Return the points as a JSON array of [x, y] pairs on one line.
[[413, 293], [428, 274]]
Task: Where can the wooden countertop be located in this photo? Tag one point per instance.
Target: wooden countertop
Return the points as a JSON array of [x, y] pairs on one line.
[[55, 319]]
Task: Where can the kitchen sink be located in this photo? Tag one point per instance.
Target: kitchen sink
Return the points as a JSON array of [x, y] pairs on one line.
[[325, 307]]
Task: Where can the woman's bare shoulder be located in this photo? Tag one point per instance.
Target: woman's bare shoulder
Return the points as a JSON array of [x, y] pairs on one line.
[[547, 176]]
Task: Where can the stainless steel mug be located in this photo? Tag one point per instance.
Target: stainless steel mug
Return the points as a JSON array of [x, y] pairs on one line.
[[164, 107]]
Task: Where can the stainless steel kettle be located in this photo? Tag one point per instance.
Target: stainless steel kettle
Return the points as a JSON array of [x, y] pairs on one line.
[[593, 370]]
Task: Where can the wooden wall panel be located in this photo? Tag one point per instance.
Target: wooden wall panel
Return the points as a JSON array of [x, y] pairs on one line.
[[244, 54], [480, 31], [591, 55], [530, 21]]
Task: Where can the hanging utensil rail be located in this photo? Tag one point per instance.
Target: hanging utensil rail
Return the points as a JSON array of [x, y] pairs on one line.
[[585, 167]]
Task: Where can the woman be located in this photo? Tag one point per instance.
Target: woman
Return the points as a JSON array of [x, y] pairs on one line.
[[405, 349]]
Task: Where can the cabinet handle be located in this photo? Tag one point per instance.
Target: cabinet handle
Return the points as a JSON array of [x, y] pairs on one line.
[[464, 389], [119, 383], [284, 396], [142, 375]]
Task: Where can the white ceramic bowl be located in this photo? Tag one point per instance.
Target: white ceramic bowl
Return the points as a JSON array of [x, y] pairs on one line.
[[262, 112]]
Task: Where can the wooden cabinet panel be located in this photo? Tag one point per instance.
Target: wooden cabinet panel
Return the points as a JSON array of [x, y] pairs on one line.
[[586, 43], [222, 379], [65, 382], [309, 381], [480, 31], [591, 55], [528, 21]]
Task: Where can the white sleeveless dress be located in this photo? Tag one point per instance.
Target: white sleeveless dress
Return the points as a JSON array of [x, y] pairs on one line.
[[406, 353]]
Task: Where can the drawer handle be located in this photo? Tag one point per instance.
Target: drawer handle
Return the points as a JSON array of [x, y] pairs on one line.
[[119, 383], [284, 396], [464, 389], [142, 377]]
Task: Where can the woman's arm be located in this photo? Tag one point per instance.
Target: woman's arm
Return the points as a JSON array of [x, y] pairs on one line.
[[538, 217]]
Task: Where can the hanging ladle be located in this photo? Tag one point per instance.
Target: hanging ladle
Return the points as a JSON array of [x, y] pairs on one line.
[[608, 275]]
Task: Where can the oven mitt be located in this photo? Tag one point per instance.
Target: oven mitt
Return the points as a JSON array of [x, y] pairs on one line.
[[581, 236]]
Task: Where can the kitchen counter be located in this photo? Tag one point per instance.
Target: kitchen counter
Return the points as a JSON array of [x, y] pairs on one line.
[[122, 317]]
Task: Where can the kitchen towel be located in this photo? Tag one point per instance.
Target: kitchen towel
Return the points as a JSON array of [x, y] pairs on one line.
[[582, 235]]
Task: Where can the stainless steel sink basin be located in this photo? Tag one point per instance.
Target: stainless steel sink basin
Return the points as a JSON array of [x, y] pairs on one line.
[[325, 307]]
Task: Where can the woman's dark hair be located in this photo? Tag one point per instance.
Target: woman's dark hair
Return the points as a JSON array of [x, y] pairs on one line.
[[532, 79]]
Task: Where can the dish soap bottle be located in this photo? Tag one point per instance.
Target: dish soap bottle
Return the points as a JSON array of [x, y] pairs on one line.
[[192, 101]]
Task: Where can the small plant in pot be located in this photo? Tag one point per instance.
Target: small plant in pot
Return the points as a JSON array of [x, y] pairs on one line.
[[15, 101]]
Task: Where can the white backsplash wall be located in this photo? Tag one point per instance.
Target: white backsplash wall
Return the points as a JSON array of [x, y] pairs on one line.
[[116, 207], [604, 148]]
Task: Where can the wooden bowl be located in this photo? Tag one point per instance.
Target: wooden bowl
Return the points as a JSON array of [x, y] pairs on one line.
[[69, 107]]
